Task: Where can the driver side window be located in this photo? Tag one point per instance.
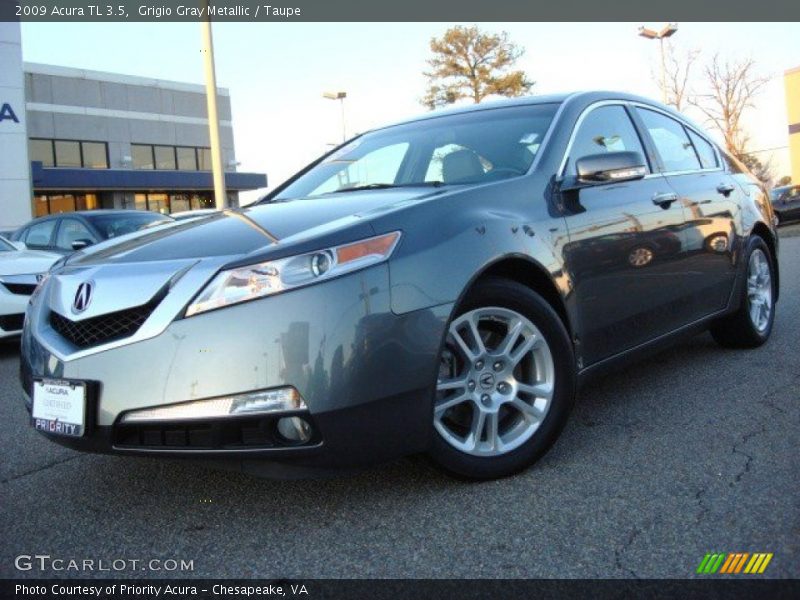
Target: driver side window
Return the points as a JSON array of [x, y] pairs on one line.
[[604, 129], [72, 230]]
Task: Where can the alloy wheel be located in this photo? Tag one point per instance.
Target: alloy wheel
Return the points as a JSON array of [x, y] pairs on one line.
[[496, 382], [759, 290]]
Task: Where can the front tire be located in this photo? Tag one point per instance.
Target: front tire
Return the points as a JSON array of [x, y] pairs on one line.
[[750, 326], [506, 382]]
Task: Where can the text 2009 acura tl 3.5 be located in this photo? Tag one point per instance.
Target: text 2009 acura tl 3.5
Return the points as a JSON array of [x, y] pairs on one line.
[[441, 286]]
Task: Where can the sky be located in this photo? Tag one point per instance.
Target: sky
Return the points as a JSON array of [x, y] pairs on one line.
[[277, 72]]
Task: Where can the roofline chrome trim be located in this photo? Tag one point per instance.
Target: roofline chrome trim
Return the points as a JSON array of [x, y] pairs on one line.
[[594, 105], [627, 103], [702, 135]]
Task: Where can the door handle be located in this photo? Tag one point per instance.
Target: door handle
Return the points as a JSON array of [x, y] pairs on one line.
[[664, 199], [725, 189]]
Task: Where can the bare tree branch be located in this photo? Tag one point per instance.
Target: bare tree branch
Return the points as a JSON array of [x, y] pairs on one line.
[[732, 87], [678, 66]]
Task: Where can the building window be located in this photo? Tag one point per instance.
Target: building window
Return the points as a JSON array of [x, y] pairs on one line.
[[45, 204], [171, 202], [68, 154], [187, 159], [179, 203], [158, 202], [165, 157], [41, 151], [94, 155], [204, 159], [142, 156]]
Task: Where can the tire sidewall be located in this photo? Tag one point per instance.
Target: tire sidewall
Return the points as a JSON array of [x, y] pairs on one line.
[[514, 296]]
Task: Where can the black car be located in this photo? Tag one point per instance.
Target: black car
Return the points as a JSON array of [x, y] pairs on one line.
[[68, 232], [786, 202]]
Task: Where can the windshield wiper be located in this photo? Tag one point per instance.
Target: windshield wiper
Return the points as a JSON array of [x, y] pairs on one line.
[[383, 186]]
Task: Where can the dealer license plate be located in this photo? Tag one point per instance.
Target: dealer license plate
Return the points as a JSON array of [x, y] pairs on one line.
[[59, 407]]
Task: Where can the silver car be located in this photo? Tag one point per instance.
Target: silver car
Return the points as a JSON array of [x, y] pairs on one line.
[[442, 286]]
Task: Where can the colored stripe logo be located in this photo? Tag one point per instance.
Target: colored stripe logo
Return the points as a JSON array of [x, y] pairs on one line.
[[734, 563]]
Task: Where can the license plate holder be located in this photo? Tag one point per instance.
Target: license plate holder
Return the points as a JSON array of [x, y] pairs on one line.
[[59, 406]]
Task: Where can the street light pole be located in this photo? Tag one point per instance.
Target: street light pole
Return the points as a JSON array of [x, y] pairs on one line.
[[651, 34], [220, 194], [340, 96]]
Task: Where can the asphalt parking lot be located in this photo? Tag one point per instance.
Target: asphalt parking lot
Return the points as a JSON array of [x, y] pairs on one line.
[[695, 450]]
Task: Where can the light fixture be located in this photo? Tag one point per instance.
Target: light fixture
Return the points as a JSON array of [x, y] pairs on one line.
[[253, 403]]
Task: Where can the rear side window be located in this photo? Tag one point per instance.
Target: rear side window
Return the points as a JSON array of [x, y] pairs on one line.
[[39, 234], [605, 129], [705, 151], [672, 144]]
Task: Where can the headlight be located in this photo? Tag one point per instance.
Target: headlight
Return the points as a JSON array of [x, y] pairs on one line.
[[264, 279]]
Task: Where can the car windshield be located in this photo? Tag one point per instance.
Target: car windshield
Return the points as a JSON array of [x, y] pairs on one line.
[[5, 246], [467, 148], [111, 226]]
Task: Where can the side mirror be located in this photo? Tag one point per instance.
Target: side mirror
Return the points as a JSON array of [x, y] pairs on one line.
[[610, 167], [19, 245], [81, 244]]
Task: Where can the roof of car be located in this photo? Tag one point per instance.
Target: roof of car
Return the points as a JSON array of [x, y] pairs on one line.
[[593, 95], [97, 211]]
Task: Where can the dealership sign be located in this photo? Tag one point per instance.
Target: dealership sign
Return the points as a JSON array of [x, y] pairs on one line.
[[7, 113]]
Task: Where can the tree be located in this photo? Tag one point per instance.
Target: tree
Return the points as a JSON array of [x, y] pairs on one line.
[[468, 63], [678, 67], [732, 87]]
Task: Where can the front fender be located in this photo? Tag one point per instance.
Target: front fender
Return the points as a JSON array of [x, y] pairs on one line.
[[447, 243]]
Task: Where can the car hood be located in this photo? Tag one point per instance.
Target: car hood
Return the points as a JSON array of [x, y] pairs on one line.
[[26, 262], [235, 233]]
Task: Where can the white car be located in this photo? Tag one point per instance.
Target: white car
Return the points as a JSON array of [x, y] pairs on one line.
[[20, 271]]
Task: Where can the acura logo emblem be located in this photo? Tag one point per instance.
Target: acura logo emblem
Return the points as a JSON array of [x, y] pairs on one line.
[[487, 380], [82, 297]]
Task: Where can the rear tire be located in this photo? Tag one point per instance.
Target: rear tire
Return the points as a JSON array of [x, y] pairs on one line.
[[750, 326], [501, 402]]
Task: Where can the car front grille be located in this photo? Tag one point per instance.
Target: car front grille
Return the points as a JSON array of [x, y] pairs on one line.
[[12, 322], [103, 329], [23, 289]]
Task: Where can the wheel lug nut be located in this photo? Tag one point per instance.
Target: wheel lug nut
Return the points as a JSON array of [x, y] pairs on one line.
[[479, 365], [503, 388], [498, 366], [471, 386], [486, 400]]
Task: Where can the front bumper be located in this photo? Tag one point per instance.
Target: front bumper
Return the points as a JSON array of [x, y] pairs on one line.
[[12, 312], [366, 374]]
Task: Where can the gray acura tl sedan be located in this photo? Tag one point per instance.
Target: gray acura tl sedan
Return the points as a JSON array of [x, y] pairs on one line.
[[438, 286]]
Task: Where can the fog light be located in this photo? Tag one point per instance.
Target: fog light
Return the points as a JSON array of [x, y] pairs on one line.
[[253, 403], [294, 429]]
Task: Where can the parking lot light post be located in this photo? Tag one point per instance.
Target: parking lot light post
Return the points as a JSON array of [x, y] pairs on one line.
[[650, 34], [340, 96], [220, 194]]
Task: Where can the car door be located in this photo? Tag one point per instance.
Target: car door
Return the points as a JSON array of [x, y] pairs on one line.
[[624, 245], [709, 196]]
